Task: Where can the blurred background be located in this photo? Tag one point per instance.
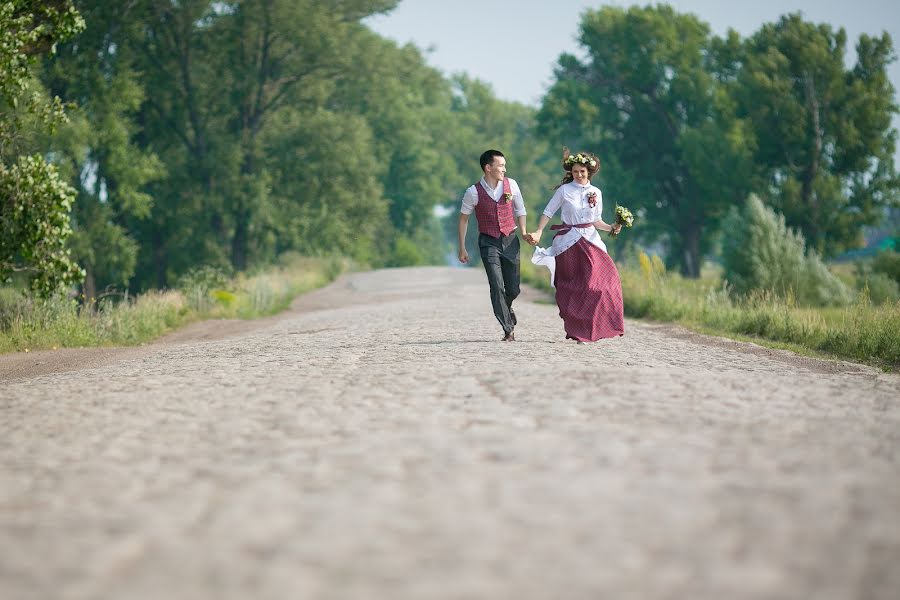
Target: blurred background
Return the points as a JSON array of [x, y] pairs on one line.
[[151, 145]]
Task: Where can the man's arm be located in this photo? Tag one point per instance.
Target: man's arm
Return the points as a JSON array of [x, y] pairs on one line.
[[461, 230], [522, 228], [519, 209]]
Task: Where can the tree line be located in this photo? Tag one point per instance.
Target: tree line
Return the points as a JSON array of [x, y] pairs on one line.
[[141, 139], [692, 124], [227, 133]]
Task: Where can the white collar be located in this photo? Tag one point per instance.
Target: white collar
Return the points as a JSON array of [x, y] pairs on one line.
[[488, 187]]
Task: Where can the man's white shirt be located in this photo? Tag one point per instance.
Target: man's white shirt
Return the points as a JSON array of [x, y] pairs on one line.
[[470, 198]]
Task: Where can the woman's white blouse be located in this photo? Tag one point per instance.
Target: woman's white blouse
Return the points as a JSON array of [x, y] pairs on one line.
[[571, 199]]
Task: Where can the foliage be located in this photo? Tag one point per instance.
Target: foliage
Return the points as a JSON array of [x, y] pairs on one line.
[[761, 253], [406, 253], [879, 288], [688, 124], [34, 224], [30, 28], [100, 149], [34, 201], [30, 322], [200, 284], [860, 331], [646, 99], [823, 135], [887, 263], [879, 278], [228, 133]]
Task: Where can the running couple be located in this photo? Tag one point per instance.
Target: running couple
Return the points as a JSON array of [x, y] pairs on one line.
[[588, 290]]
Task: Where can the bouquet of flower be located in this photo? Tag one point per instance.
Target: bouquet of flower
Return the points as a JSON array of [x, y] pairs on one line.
[[623, 217]]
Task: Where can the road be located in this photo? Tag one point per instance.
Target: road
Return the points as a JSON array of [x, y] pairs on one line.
[[380, 441]]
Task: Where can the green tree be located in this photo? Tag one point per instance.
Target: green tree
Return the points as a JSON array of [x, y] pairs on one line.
[[221, 74], [647, 99], [405, 105], [823, 132], [326, 193], [101, 148], [34, 201]]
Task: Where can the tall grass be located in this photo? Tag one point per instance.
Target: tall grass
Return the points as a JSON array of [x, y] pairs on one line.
[[28, 323], [862, 331]]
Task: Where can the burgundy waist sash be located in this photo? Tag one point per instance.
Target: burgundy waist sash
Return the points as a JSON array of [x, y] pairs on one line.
[[566, 228]]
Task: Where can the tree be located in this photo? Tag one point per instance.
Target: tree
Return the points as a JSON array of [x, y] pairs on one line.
[[405, 104], [224, 133], [34, 201], [823, 133], [221, 74], [100, 151], [648, 101]]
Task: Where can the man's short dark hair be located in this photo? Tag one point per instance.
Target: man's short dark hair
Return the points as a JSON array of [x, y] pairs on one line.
[[487, 157]]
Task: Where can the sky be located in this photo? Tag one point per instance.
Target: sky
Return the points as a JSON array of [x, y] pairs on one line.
[[531, 34]]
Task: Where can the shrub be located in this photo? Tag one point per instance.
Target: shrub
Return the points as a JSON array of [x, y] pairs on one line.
[[198, 283], [761, 253], [406, 253], [887, 262], [880, 288]]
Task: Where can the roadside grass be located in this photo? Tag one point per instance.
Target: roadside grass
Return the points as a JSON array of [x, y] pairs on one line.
[[27, 323], [862, 332]]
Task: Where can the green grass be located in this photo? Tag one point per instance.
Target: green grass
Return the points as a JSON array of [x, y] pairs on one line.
[[31, 324], [861, 332]]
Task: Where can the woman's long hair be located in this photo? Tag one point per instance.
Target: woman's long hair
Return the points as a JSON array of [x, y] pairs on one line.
[[567, 178]]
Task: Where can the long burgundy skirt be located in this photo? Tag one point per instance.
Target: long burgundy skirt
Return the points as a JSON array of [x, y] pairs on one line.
[[589, 293]]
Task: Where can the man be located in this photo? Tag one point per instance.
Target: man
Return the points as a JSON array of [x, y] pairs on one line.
[[497, 204]]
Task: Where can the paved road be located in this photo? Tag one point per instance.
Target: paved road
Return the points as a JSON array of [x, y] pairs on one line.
[[379, 441]]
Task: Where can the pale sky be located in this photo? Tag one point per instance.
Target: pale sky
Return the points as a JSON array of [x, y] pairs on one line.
[[527, 36]]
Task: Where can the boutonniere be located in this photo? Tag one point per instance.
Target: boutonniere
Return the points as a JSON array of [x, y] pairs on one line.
[[592, 198], [507, 197]]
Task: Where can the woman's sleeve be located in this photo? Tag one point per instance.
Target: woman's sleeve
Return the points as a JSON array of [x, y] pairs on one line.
[[555, 203]]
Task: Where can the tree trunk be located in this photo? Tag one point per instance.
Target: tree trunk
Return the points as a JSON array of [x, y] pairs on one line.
[[159, 259], [690, 250], [812, 167], [242, 212], [89, 288], [239, 242]]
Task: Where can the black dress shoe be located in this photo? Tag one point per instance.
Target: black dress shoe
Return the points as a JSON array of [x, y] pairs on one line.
[[510, 337]]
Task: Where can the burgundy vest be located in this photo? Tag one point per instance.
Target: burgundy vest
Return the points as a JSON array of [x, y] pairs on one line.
[[494, 218]]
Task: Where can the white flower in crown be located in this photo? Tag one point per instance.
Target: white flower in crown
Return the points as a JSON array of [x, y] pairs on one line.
[[580, 159]]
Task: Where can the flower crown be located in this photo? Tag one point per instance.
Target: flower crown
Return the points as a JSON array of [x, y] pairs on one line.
[[580, 158]]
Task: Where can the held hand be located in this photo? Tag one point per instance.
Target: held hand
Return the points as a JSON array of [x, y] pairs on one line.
[[536, 236], [463, 256], [616, 228]]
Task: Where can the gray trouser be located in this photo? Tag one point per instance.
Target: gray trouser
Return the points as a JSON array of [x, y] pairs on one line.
[[500, 257]]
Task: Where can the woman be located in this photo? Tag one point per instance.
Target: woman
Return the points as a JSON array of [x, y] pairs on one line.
[[588, 290]]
